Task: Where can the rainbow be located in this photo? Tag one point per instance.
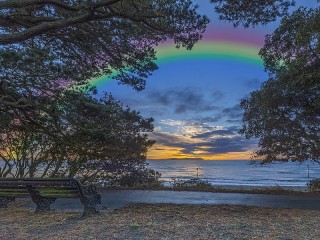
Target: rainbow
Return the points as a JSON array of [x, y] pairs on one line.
[[223, 47], [210, 50]]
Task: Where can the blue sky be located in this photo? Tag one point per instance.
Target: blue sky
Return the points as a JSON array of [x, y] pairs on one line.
[[195, 101]]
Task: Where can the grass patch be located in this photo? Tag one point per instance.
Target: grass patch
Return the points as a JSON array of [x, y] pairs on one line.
[[134, 225], [163, 221]]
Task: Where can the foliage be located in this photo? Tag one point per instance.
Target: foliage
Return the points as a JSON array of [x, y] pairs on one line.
[[50, 46], [251, 12], [50, 49], [314, 184], [285, 112], [137, 177], [99, 138], [93, 38], [196, 183]]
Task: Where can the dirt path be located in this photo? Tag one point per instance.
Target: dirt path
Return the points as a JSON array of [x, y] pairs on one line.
[[113, 199]]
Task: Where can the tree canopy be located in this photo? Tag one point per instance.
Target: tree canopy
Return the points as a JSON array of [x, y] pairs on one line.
[[51, 46], [97, 138], [48, 46], [285, 113], [251, 12], [94, 38]]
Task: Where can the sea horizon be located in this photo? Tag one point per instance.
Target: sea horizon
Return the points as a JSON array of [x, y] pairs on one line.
[[238, 172], [198, 159]]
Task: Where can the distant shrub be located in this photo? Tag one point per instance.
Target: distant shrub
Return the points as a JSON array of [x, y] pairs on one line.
[[191, 183], [137, 178], [314, 184]]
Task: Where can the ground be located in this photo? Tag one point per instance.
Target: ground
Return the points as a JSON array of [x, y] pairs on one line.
[[162, 222]]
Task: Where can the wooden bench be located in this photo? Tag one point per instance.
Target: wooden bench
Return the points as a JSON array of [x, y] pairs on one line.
[[44, 191]]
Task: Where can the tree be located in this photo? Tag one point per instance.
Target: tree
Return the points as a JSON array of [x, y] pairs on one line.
[[105, 139], [285, 113], [94, 38], [48, 46], [100, 139], [251, 12]]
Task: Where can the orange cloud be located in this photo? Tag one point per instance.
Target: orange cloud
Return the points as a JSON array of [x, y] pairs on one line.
[[161, 152], [158, 151]]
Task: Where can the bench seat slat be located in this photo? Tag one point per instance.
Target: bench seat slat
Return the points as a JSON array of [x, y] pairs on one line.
[[14, 190], [60, 195], [13, 194], [34, 183], [43, 192], [41, 180], [57, 192], [65, 188]]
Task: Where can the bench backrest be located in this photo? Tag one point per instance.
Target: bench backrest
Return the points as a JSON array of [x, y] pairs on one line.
[[47, 187]]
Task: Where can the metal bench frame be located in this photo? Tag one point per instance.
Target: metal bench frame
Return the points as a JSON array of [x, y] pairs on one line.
[[88, 194]]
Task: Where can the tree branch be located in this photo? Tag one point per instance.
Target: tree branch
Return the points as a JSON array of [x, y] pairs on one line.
[[27, 3], [47, 27], [48, 24]]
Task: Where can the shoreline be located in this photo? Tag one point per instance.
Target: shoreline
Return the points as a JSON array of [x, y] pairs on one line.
[[260, 187], [272, 190], [203, 184]]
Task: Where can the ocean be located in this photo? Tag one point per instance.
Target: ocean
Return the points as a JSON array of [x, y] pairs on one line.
[[238, 172]]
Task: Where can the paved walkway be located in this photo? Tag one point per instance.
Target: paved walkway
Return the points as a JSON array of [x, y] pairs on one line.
[[112, 199]]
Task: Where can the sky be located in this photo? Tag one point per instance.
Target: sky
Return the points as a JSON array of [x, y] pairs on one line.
[[194, 96]]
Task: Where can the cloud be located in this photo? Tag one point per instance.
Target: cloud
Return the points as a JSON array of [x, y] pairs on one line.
[[202, 120], [234, 121], [230, 131], [171, 122], [172, 140], [232, 115], [187, 128], [234, 112], [253, 83], [210, 143], [227, 145], [217, 95], [222, 145], [184, 100], [162, 98], [164, 138], [227, 116]]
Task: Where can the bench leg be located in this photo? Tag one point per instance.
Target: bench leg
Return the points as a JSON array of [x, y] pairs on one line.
[[89, 211], [43, 203], [89, 197], [5, 200]]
